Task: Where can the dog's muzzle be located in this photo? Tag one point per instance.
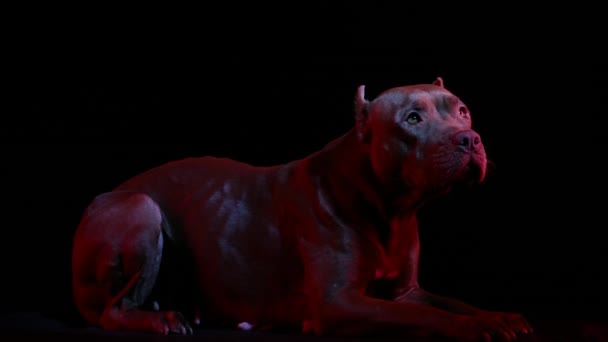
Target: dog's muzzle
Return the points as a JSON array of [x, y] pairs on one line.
[[469, 142]]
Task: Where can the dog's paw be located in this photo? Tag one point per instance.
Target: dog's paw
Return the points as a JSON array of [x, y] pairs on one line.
[[492, 327], [514, 321], [172, 322]]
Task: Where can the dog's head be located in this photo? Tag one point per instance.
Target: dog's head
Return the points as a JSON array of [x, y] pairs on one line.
[[420, 136]]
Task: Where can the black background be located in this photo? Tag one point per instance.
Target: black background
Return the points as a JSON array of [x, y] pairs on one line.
[[96, 95]]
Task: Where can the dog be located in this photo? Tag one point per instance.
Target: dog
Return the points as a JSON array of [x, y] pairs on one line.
[[328, 243]]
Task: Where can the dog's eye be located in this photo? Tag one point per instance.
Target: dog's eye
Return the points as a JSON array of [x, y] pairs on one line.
[[413, 118], [463, 111]]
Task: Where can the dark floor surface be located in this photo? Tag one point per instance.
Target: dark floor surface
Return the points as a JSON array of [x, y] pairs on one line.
[[40, 327]]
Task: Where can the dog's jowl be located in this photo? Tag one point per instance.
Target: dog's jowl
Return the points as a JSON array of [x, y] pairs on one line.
[[305, 244]]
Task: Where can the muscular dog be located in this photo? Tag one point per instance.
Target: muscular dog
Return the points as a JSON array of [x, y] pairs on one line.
[[328, 243]]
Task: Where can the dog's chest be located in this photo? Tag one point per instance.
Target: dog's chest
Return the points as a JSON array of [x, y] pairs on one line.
[[385, 280], [392, 254], [386, 272], [381, 265], [379, 261], [383, 273], [391, 263]]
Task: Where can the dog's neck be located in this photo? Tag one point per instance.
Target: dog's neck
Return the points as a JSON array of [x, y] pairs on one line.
[[344, 165]]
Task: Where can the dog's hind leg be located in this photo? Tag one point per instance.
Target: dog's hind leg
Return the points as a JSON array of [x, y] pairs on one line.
[[115, 264]]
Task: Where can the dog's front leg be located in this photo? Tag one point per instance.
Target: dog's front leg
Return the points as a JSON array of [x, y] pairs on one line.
[[405, 249], [514, 322], [421, 296], [336, 281], [352, 313]]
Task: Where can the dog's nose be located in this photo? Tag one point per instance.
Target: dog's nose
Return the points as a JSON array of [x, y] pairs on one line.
[[468, 140]]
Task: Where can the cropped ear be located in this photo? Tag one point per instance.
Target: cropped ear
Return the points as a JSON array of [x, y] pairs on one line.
[[438, 82], [362, 115]]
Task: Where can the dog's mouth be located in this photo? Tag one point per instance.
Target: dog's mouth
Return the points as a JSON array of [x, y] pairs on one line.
[[475, 169], [447, 168]]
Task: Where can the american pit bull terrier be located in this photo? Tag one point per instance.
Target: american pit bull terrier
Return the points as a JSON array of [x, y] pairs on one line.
[[328, 243]]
